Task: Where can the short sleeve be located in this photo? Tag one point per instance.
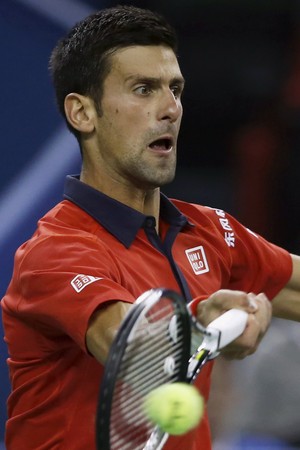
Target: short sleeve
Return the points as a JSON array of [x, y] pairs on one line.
[[60, 282], [257, 265]]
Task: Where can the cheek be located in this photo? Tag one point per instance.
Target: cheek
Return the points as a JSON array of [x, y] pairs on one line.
[[126, 118]]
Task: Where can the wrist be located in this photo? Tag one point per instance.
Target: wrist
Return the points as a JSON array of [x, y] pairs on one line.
[[193, 305]]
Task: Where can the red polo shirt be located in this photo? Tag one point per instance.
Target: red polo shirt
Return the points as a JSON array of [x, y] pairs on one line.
[[90, 250]]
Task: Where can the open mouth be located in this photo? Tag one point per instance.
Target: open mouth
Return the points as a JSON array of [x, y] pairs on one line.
[[162, 144]]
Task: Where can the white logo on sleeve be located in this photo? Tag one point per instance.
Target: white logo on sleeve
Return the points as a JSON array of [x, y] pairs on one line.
[[229, 235], [81, 281], [197, 259]]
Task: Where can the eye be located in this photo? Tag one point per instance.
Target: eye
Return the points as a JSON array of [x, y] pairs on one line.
[[143, 90], [177, 91]]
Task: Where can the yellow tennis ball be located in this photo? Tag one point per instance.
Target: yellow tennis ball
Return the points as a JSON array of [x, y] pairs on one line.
[[176, 408]]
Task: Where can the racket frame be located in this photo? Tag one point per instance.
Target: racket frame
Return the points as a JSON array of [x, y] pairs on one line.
[[146, 301]]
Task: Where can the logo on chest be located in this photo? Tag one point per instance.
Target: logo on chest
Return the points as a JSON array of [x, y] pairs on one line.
[[197, 259]]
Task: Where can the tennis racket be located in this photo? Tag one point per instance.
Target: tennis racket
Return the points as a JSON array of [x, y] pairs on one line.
[[153, 347]]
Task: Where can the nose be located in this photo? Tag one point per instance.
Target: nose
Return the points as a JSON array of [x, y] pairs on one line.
[[170, 107]]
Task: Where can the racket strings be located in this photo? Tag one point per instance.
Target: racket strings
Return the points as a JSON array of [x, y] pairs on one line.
[[132, 362], [142, 383], [146, 345], [137, 395], [144, 368], [144, 376]]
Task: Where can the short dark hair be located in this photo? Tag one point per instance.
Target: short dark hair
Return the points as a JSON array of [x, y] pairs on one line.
[[80, 61]]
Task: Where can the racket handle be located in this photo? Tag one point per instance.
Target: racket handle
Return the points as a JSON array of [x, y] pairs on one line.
[[229, 326]]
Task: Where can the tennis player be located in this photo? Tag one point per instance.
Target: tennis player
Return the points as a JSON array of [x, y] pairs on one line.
[[115, 235]]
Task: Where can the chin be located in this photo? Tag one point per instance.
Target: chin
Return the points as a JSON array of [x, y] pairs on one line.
[[155, 179], [167, 179], [158, 183]]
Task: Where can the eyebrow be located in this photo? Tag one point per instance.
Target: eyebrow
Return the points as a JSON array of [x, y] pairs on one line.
[[154, 80]]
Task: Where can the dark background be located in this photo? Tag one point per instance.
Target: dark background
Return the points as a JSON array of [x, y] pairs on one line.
[[239, 144]]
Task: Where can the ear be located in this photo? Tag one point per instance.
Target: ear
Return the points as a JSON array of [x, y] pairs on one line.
[[80, 112]]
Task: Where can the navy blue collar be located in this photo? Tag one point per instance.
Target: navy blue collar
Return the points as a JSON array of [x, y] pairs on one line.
[[120, 220]]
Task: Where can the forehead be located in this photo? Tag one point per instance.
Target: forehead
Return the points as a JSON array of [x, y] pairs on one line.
[[153, 61]]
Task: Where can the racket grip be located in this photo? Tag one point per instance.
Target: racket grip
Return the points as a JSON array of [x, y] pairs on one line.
[[231, 325]]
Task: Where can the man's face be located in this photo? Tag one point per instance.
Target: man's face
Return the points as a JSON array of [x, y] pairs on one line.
[[141, 114]]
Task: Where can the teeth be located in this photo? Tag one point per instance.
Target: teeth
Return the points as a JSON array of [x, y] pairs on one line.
[[161, 143]]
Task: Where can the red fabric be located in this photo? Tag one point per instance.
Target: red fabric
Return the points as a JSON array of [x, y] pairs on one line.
[[46, 311]]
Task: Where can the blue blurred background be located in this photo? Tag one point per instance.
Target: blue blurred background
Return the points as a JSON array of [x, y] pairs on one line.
[[238, 148]]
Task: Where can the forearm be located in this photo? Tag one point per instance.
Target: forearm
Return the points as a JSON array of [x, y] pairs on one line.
[[103, 327], [286, 304]]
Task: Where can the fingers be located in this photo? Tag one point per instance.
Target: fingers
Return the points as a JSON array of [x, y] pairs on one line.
[[247, 343], [223, 300], [257, 325], [260, 313], [264, 311]]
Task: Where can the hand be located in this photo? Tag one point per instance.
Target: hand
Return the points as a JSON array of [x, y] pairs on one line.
[[257, 306]]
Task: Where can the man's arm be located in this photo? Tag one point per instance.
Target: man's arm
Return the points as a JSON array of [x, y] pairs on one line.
[[286, 304], [103, 327], [106, 321]]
